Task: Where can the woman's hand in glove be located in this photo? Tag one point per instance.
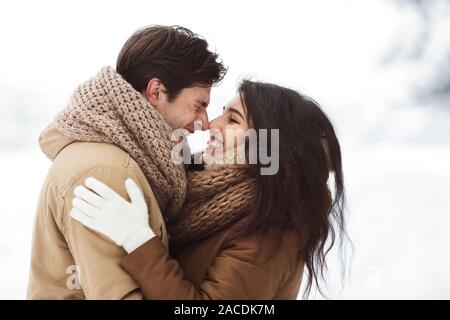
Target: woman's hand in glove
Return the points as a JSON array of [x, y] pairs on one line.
[[105, 211]]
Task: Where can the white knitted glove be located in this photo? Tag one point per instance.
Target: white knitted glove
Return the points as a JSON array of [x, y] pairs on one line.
[[105, 211]]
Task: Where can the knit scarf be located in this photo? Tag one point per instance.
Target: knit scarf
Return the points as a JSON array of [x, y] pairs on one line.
[[108, 109], [216, 198]]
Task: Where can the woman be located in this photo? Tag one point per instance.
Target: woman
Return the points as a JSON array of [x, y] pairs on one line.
[[240, 234]]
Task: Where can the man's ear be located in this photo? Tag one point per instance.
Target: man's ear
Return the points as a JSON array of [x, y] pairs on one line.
[[153, 91]]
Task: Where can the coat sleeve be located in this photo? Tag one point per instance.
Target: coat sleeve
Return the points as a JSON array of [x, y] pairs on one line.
[[236, 273], [52, 266], [97, 258]]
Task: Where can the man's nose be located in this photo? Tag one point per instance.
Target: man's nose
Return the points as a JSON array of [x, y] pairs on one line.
[[204, 120]]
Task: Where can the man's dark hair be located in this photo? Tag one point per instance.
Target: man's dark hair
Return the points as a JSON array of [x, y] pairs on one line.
[[175, 55]]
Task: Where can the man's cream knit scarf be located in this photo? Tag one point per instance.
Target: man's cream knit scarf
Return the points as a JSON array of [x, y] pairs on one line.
[[108, 109]]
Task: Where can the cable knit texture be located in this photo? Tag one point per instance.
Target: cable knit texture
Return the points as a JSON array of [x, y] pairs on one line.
[[216, 198], [108, 109]]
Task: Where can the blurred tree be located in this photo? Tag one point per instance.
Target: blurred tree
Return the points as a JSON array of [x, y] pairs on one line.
[[434, 17]]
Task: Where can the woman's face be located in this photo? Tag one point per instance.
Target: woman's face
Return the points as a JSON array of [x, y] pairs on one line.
[[228, 130]]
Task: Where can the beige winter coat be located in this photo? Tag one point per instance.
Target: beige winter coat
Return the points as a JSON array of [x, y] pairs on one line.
[[68, 260]]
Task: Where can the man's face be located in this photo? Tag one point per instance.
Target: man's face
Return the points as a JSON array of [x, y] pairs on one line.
[[188, 107]]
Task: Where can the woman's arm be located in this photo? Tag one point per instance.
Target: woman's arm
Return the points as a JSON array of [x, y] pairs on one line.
[[236, 273], [246, 268]]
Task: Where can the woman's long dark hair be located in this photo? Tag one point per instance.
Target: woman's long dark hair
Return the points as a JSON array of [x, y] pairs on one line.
[[298, 195]]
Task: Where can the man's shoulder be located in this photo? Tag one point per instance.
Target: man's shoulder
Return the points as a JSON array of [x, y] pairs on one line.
[[107, 163], [81, 159], [88, 154]]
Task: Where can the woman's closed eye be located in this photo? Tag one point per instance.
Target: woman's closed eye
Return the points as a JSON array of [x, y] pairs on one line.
[[231, 120], [233, 116]]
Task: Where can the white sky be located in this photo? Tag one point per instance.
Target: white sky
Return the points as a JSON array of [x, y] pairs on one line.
[[327, 49], [330, 50]]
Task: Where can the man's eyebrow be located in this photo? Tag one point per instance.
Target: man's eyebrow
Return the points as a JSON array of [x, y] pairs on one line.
[[204, 104], [231, 109]]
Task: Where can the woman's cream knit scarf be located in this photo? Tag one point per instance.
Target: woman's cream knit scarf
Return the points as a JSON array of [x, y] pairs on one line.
[[217, 197]]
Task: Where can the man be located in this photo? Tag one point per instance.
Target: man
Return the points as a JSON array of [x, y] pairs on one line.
[[116, 126]]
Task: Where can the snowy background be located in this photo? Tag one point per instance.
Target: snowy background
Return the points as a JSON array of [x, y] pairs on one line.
[[381, 70]]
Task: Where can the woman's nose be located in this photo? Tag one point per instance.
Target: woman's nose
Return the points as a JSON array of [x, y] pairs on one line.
[[215, 123]]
